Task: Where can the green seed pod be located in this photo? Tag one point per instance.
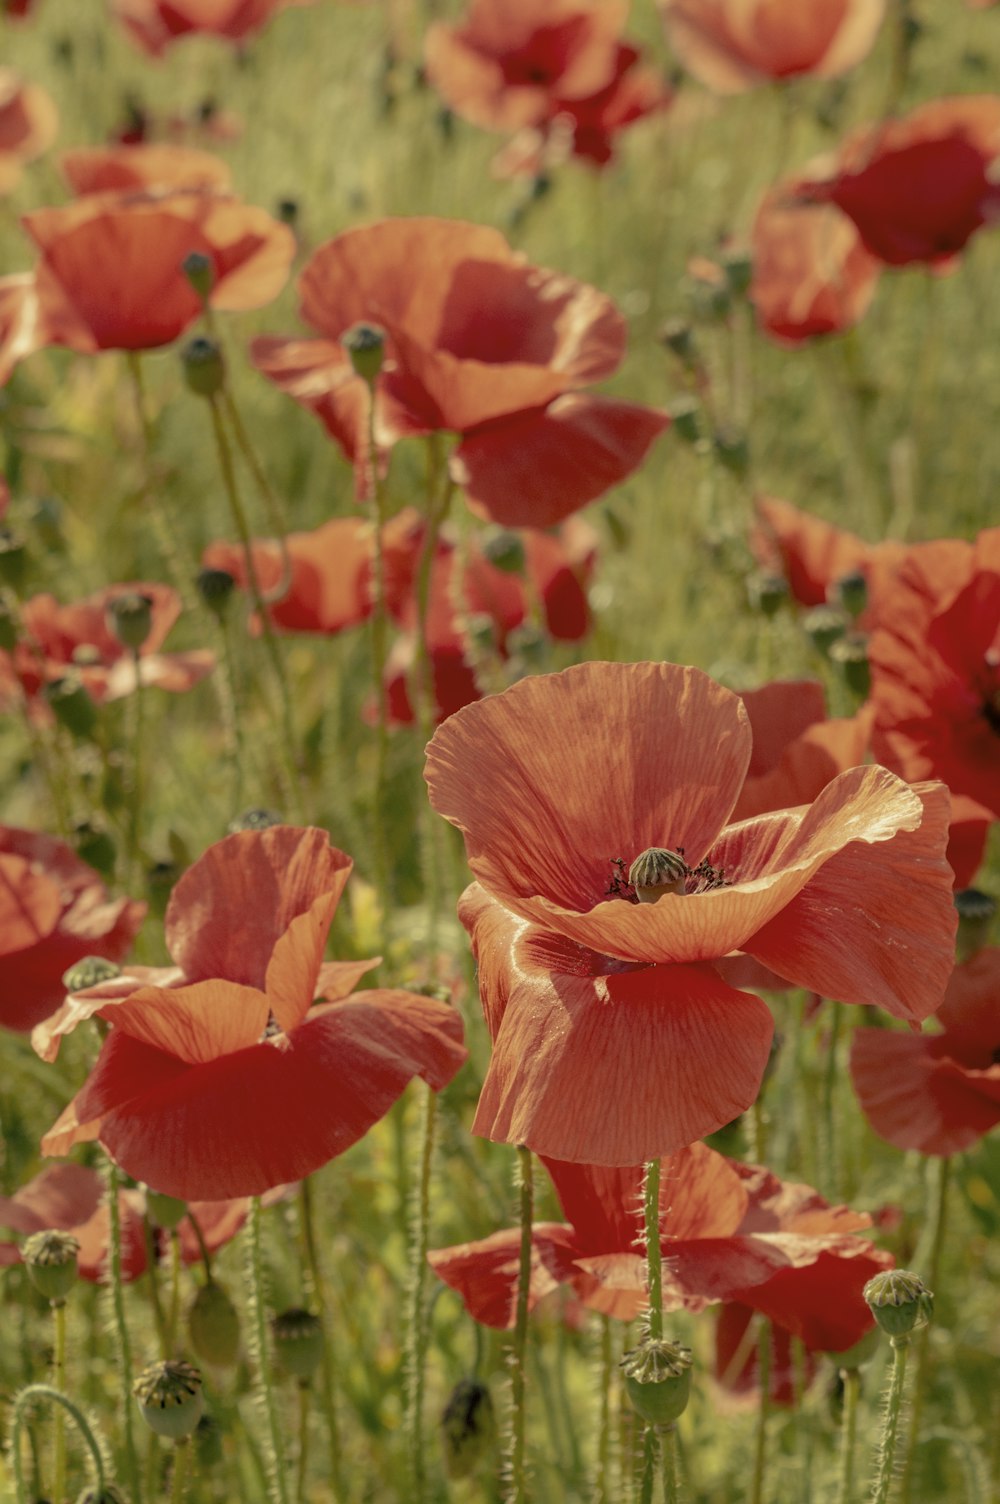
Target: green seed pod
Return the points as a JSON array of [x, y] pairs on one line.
[[216, 586], [850, 654], [900, 1301], [732, 450], [657, 871], [823, 625], [170, 1398], [88, 971], [72, 706], [504, 550], [94, 846], [200, 272], [468, 1428], [738, 267], [164, 1211], [685, 416], [204, 367], [852, 593], [208, 1442], [768, 593], [50, 1259], [214, 1326], [678, 337], [658, 1380], [254, 819], [130, 618], [298, 1341], [365, 344], [976, 913]]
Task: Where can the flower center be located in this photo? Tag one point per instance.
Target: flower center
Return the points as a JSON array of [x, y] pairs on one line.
[[660, 870]]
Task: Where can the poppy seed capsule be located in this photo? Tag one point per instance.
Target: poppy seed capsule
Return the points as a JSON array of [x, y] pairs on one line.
[[50, 1259], [200, 272], [823, 625], [298, 1341], [678, 337], [365, 344], [468, 1428], [976, 912], [657, 871], [685, 415], [214, 1326], [130, 618], [170, 1398], [852, 593], [900, 1301], [215, 586], [253, 819], [164, 1211], [850, 654], [768, 592], [504, 550], [658, 1380], [738, 267], [88, 972], [204, 367]]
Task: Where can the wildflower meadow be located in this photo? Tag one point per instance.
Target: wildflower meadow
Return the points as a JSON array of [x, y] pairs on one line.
[[500, 751]]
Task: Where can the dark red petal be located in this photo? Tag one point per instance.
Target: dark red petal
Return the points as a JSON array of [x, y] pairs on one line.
[[485, 1273]]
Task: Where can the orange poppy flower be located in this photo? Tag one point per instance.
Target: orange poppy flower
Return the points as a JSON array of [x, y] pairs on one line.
[[77, 640], [935, 660], [796, 750], [731, 1232], [937, 1093], [54, 910], [918, 187], [156, 24], [811, 274], [479, 343], [595, 1000], [234, 1083], [119, 169], [29, 123], [734, 45], [143, 237]]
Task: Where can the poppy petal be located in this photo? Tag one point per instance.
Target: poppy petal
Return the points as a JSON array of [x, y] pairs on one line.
[[916, 1098], [486, 1273], [197, 1024]]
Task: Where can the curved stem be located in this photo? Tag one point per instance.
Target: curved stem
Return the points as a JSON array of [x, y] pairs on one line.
[[24, 1399], [121, 1329], [59, 1422], [254, 1273], [848, 1434], [516, 1479], [417, 1326], [175, 1290], [882, 1485]]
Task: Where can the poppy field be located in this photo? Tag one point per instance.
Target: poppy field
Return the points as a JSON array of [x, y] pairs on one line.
[[500, 751]]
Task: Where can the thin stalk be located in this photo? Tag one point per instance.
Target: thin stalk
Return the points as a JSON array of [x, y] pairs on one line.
[[59, 1419], [668, 1452], [156, 1299], [254, 1273], [164, 532], [417, 1325], [939, 1226], [648, 1465], [175, 1289], [602, 1492], [137, 706], [831, 1179], [231, 727], [516, 1479], [23, 1401], [328, 1371], [848, 1435], [303, 1463], [882, 1484], [654, 1255], [124, 1363], [273, 508], [379, 653], [206, 1257], [760, 1441], [178, 1483]]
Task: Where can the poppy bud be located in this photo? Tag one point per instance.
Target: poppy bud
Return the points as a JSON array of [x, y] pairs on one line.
[[678, 337], [481, 631], [214, 1326], [298, 1342], [71, 705], [732, 450], [215, 586], [365, 344], [852, 593], [685, 415], [8, 629], [164, 1211], [288, 212], [13, 559], [504, 550], [900, 1301], [738, 267], [823, 625], [88, 971], [768, 592], [658, 1380], [657, 871], [109, 1494], [527, 643], [170, 1398], [50, 1259], [204, 367], [253, 819], [200, 272], [976, 912], [95, 846], [850, 654], [130, 618], [468, 1428], [208, 1442]]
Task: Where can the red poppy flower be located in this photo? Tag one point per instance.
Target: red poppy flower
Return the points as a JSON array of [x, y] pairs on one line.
[[119, 169], [54, 910], [796, 750], [22, 328], [234, 1083], [737, 1358], [813, 555], [157, 24], [938, 1093], [479, 343], [733, 45], [144, 237], [615, 1039], [731, 1232], [29, 124], [918, 187], [70, 1198], [77, 640], [811, 274], [935, 659]]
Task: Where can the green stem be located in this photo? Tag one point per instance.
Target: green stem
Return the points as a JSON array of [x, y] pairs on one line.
[[654, 1255], [516, 1480], [848, 1433], [175, 1290], [760, 1442], [156, 1300], [254, 1274], [24, 1399], [939, 1226], [831, 1178], [275, 515], [59, 1419], [603, 1487], [135, 789], [206, 1257], [328, 1370], [882, 1485], [417, 1326], [671, 1483], [648, 1465], [121, 1330], [379, 651], [178, 1484], [165, 534], [303, 1464]]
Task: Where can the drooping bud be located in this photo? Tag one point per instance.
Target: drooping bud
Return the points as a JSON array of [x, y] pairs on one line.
[[298, 1341], [685, 416], [200, 272], [204, 367], [71, 705], [88, 971], [164, 1211], [768, 592], [216, 586], [657, 871], [170, 1398], [678, 337], [50, 1259], [468, 1428], [658, 1379], [738, 267], [976, 912], [823, 625], [732, 450], [214, 1326], [900, 1301], [852, 593], [253, 819], [365, 344], [504, 550], [130, 618], [850, 654]]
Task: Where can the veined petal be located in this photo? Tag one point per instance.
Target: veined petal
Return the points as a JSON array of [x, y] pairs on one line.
[[196, 1024], [916, 1097], [485, 1273]]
